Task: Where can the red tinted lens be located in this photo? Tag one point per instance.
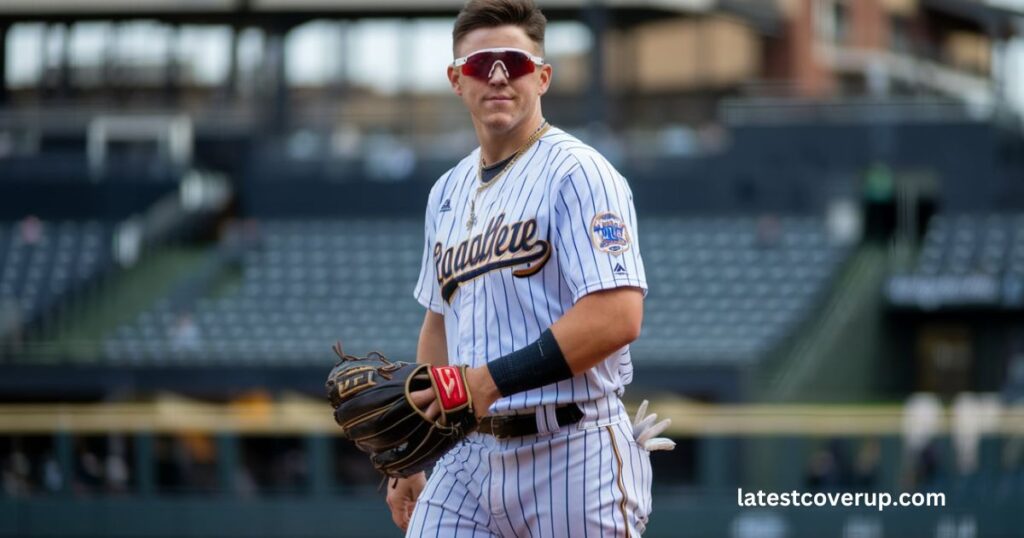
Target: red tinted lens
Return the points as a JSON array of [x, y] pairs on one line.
[[479, 65]]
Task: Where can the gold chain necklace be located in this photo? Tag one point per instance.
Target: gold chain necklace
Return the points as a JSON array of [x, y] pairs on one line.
[[472, 220]]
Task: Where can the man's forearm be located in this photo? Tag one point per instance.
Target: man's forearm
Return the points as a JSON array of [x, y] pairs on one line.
[[597, 325], [593, 329], [432, 348]]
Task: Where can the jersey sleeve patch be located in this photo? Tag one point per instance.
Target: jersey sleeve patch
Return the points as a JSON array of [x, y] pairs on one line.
[[609, 233]]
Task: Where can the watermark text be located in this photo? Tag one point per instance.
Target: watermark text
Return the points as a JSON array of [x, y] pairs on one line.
[[879, 500]]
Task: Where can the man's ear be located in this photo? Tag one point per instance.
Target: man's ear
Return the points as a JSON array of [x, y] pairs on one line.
[[545, 78], [454, 78]]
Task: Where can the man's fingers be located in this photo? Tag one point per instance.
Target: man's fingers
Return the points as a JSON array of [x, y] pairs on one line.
[[409, 507], [422, 398], [434, 410], [395, 507], [397, 517], [425, 399], [401, 512], [401, 498]]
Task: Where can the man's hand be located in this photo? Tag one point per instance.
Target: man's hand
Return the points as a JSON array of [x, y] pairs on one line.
[[481, 388], [402, 495], [372, 405]]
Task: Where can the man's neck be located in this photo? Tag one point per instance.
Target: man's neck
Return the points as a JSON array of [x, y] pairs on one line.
[[495, 147]]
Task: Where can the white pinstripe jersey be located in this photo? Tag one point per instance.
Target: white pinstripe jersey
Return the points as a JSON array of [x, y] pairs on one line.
[[559, 224]]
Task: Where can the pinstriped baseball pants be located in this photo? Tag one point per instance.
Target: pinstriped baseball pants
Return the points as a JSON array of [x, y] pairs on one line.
[[589, 479]]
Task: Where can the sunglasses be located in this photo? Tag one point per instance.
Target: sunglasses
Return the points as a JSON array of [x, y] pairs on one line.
[[481, 64]]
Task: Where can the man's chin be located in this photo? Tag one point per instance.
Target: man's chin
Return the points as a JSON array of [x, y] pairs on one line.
[[498, 122]]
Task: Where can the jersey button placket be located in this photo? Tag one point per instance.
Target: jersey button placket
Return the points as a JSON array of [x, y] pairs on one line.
[[464, 300], [480, 315]]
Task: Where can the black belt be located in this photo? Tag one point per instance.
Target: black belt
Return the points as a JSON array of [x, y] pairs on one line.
[[505, 426]]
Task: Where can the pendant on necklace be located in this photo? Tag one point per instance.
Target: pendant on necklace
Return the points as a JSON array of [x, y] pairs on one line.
[[471, 221]]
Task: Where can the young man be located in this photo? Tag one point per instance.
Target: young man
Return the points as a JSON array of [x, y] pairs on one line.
[[532, 278]]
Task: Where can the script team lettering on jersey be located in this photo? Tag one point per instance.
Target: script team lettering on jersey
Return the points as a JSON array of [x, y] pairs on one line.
[[500, 245]]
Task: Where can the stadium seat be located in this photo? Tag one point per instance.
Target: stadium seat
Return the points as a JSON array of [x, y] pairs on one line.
[[719, 293]]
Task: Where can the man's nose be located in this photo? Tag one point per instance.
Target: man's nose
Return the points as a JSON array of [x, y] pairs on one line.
[[498, 74]]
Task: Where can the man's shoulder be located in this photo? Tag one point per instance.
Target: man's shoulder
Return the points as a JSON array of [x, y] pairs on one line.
[[576, 151], [572, 147]]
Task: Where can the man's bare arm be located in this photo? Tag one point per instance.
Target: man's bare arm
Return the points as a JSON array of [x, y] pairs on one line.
[[432, 348], [599, 324], [596, 326]]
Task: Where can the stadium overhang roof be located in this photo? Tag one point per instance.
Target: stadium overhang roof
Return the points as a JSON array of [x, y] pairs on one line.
[[986, 12], [296, 11]]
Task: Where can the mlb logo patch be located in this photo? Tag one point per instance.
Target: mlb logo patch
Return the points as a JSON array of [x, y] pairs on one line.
[[609, 234]]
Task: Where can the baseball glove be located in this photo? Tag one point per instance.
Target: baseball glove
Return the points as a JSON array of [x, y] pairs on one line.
[[370, 397]]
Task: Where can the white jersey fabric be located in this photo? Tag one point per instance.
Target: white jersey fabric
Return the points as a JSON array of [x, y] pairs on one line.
[[583, 481], [557, 225]]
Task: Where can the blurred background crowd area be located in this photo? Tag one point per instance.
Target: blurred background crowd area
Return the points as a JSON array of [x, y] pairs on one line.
[[197, 199]]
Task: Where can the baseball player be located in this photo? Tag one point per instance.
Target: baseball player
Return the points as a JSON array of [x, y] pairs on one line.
[[532, 278]]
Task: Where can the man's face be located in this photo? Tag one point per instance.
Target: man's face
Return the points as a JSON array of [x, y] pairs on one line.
[[499, 103]]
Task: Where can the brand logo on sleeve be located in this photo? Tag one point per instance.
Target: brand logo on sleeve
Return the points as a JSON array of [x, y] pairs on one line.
[[609, 234], [446, 206]]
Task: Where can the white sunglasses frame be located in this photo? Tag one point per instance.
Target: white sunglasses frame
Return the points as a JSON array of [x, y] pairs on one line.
[[537, 60]]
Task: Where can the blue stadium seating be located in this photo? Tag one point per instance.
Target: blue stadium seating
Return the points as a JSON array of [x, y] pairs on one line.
[[727, 290], [43, 262], [723, 289], [973, 244]]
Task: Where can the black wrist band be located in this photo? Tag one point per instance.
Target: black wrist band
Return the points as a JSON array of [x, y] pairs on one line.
[[536, 365]]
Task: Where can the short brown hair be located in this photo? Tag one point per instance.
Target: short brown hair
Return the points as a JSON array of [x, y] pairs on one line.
[[491, 13]]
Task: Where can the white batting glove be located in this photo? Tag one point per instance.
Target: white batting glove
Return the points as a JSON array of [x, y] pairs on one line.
[[645, 429]]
